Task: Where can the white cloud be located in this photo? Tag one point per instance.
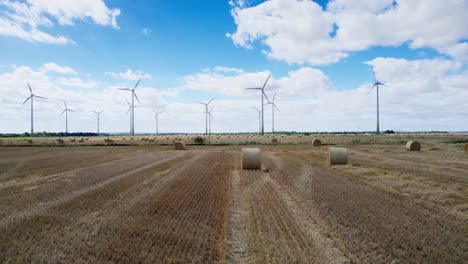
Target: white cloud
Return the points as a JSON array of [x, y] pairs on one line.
[[302, 32], [129, 75], [54, 67], [26, 20], [423, 95], [146, 31]]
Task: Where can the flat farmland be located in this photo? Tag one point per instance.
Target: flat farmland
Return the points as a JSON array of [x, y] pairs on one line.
[[153, 204]]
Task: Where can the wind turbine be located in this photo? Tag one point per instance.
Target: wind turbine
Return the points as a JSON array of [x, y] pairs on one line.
[[273, 106], [376, 84], [98, 116], [262, 95], [66, 110], [132, 118], [129, 109], [31, 97], [259, 120], [210, 118], [156, 117], [206, 114]]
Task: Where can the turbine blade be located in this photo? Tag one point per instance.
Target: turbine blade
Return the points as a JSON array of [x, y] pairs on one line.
[[200, 102], [95, 112], [264, 94], [254, 88], [154, 111], [29, 86], [161, 112], [373, 73], [128, 110], [125, 89], [101, 111], [27, 99], [275, 106], [63, 112], [136, 96], [137, 84], [65, 104], [71, 110], [128, 103], [384, 85], [266, 81], [210, 101], [211, 109], [39, 96], [274, 96]]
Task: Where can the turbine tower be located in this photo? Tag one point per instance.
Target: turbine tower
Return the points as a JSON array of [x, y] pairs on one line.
[[210, 118], [31, 97], [273, 106], [206, 114], [376, 84], [66, 110], [262, 96], [156, 117], [98, 116], [259, 120], [129, 109], [132, 118]]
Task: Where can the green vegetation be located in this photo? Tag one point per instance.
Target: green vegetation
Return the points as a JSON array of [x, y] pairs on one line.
[[456, 141], [199, 141]]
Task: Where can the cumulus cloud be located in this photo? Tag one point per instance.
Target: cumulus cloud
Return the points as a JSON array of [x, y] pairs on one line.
[[54, 67], [27, 20], [129, 75], [302, 32], [427, 94]]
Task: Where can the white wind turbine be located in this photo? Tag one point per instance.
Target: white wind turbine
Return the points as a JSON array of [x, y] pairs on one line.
[[98, 117], [130, 107], [210, 119], [66, 110], [206, 114], [132, 118], [273, 106], [376, 84], [259, 120], [263, 95], [31, 97], [156, 117]]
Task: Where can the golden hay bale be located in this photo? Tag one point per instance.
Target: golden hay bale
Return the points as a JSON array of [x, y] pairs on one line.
[[72, 139], [60, 141], [466, 147], [274, 141], [86, 138], [81, 139], [337, 156], [123, 138], [180, 145], [251, 158], [413, 146], [316, 142]]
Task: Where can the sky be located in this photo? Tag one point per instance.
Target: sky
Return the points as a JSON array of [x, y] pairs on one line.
[[319, 55]]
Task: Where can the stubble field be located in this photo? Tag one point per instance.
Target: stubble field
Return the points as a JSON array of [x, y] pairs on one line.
[[152, 204]]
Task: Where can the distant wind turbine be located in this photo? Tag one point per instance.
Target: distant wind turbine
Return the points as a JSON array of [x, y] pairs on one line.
[[156, 117], [98, 116], [210, 118], [206, 114], [66, 110], [31, 97], [130, 109], [259, 120], [132, 118], [273, 106], [263, 95], [376, 84]]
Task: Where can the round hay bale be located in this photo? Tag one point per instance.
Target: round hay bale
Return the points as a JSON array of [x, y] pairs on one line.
[[274, 141], [251, 159], [60, 141], [337, 156], [316, 142], [466, 147], [180, 145], [81, 139], [413, 146]]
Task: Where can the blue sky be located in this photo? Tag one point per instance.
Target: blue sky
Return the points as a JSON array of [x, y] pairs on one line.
[[188, 50]]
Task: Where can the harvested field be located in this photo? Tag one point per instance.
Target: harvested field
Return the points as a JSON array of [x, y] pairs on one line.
[[153, 204]]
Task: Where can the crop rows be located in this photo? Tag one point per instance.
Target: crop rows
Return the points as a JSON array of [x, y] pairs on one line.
[[373, 226]]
